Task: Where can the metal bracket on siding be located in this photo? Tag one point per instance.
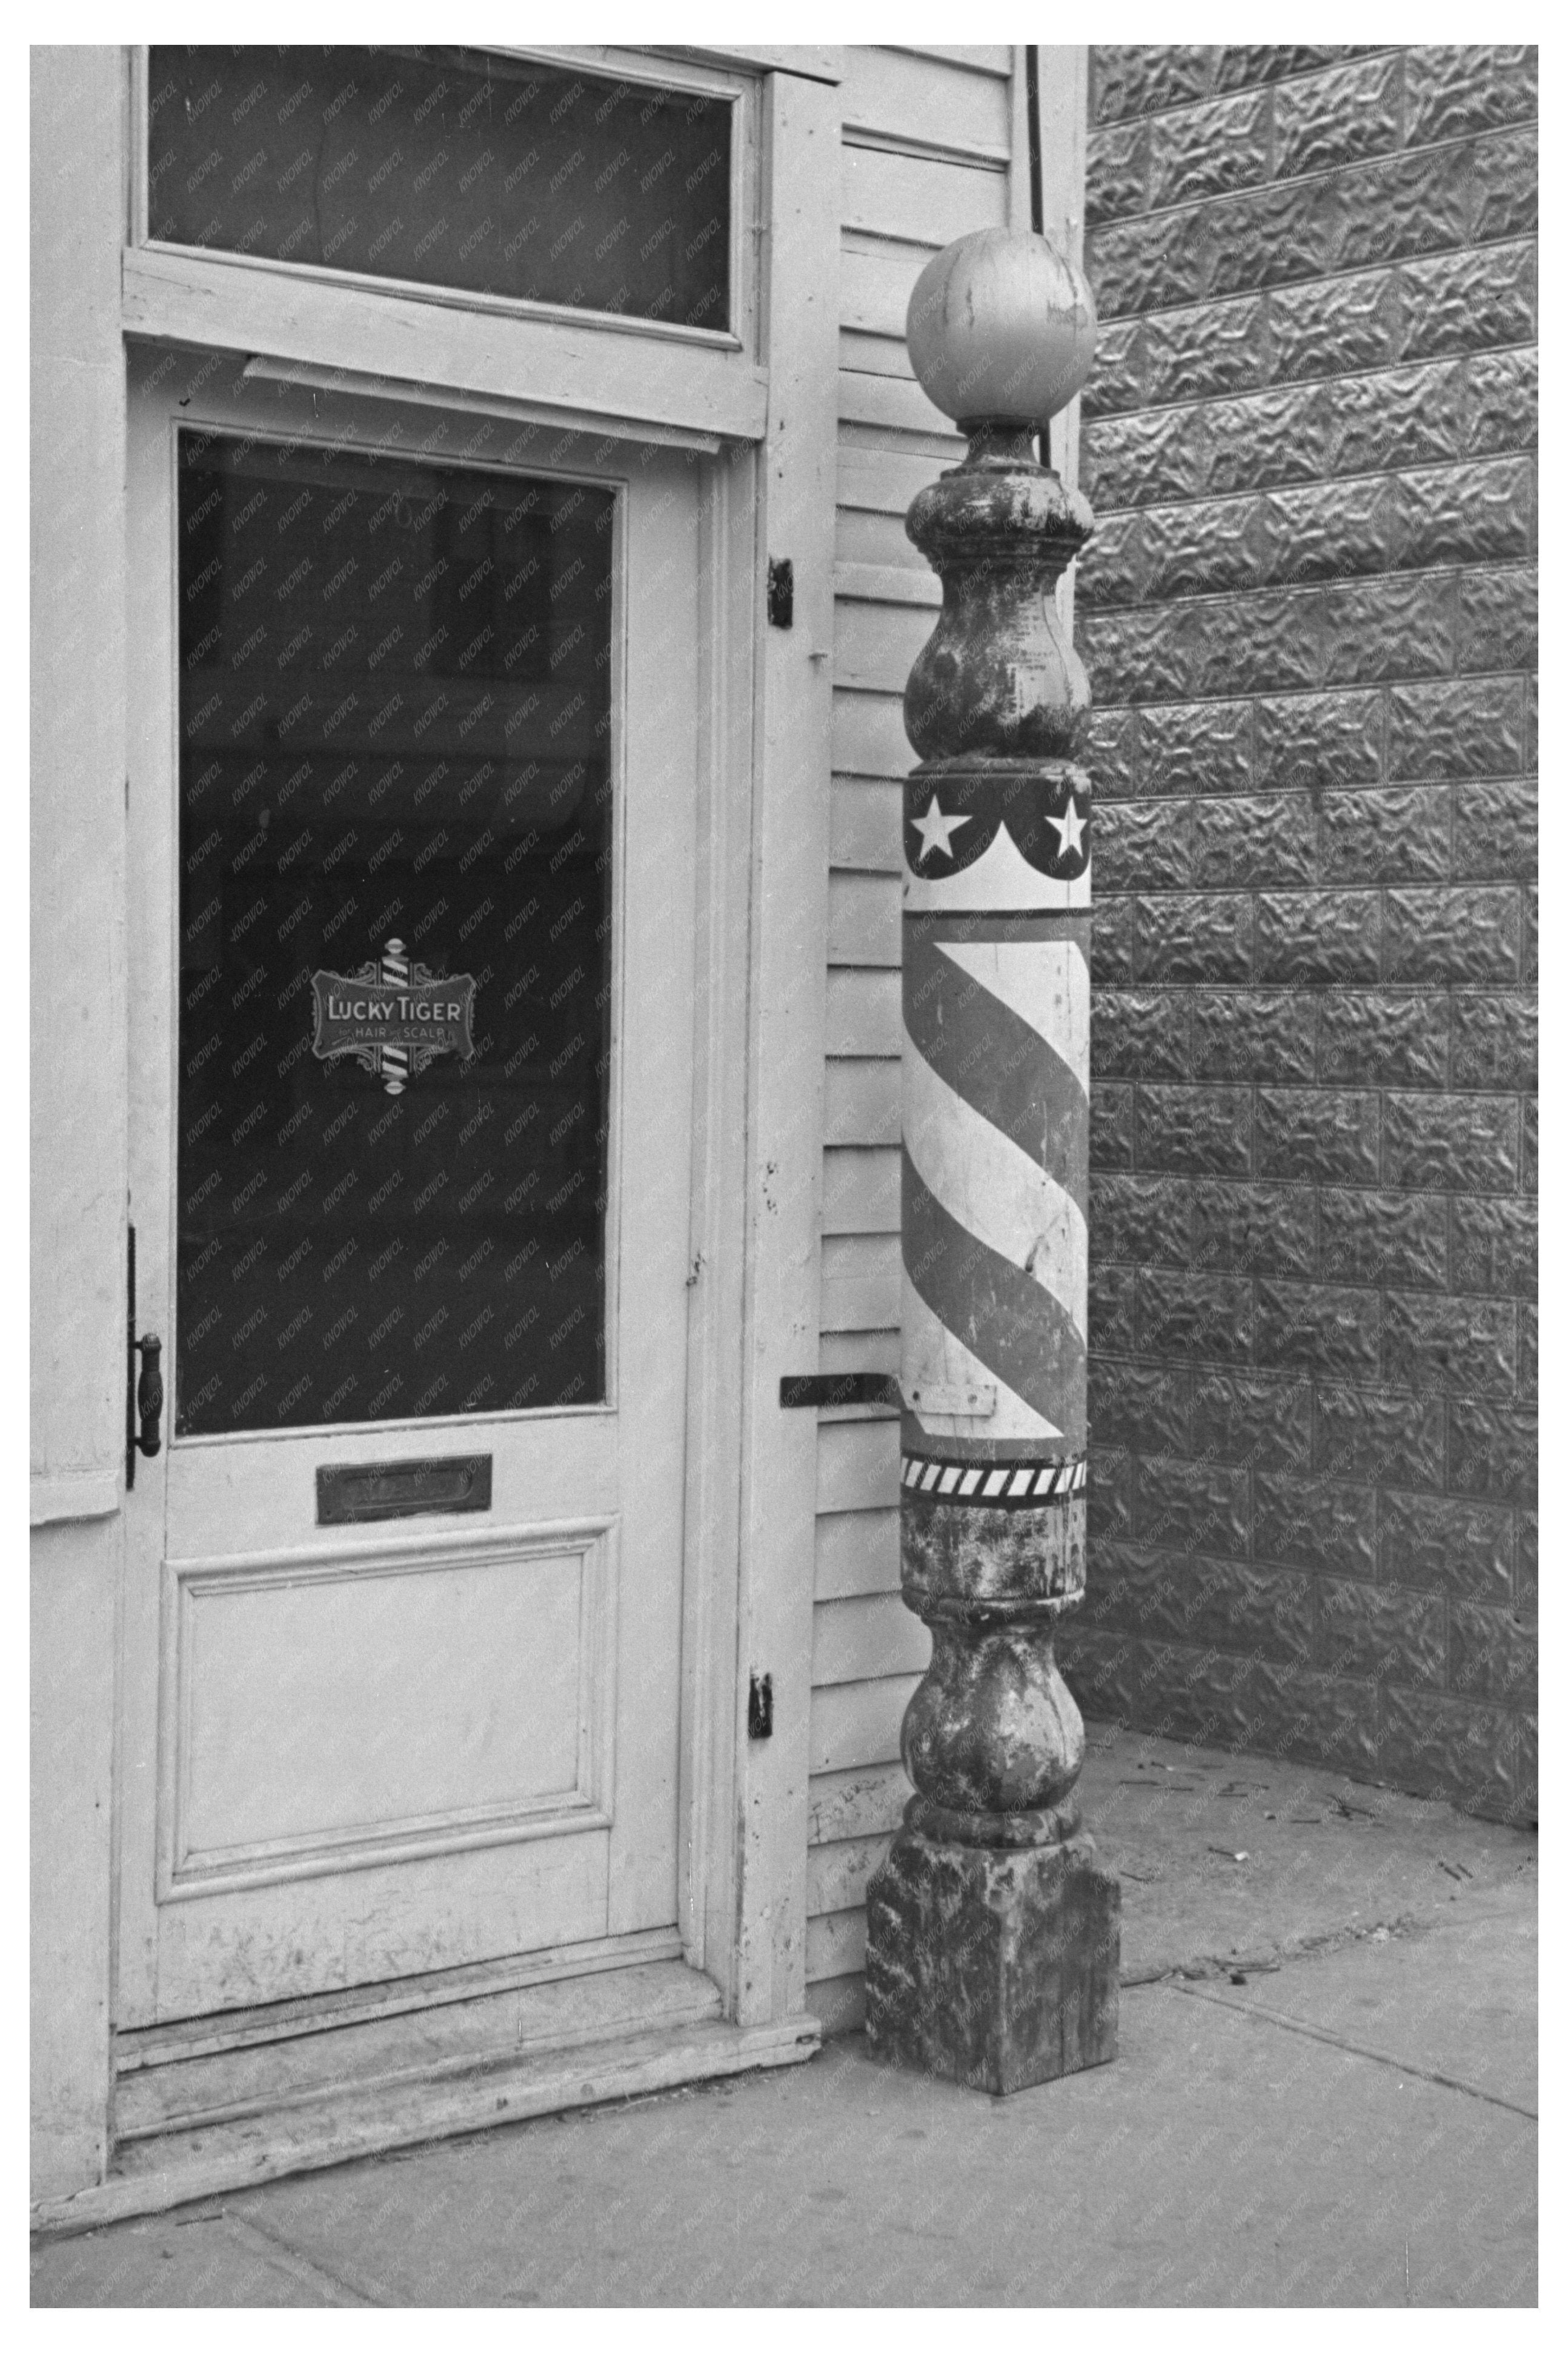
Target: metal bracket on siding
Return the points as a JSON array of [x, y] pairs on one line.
[[840, 1389]]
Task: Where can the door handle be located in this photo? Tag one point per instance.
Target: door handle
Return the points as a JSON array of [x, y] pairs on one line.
[[143, 1390], [149, 1393]]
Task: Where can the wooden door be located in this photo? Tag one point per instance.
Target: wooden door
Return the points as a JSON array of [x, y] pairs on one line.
[[412, 801]]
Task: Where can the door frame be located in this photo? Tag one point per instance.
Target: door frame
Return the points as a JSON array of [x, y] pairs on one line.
[[764, 768]]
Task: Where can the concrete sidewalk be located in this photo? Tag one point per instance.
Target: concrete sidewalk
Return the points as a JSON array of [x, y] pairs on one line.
[[1325, 2095]]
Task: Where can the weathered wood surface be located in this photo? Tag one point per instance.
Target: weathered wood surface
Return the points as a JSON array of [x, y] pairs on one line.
[[996, 1970], [993, 1935]]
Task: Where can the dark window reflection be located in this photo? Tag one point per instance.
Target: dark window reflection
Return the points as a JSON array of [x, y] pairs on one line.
[[447, 167], [395, 714]]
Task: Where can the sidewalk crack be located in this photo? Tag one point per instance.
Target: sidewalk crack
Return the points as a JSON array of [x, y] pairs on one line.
[[278, 2252], [1357, 2050]]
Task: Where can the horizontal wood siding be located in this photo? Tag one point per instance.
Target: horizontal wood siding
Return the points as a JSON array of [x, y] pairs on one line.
[[930, 151]]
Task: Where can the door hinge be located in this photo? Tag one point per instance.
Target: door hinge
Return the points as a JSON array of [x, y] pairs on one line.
[[781, 592], [760, 1709]]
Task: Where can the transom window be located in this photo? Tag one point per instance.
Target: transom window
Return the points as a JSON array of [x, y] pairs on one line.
[[453, 168]]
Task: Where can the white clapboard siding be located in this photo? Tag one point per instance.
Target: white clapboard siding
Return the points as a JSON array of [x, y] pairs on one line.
[[862, 1802], [872, 1634], [858, 1465], [895, 93], [997, 59], [861, 1281], [866, 355], [899, 584], [868, 737], [863, 1013], [862, 1352], [861, 1190], [835, 1945], [878, 642], [895, 404], [932, 148], [876, 277], [857, 1724], [836, 1875], [881, 479], [853, 1303], [863, 927], [865, 827], [856, 1552], [918, 199], [861, 1104], [865, 537]]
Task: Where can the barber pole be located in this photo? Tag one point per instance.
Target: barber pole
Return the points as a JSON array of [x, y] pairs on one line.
[[994, 1930]]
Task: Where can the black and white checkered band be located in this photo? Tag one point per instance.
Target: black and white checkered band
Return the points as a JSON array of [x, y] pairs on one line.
[[1009, 1484]]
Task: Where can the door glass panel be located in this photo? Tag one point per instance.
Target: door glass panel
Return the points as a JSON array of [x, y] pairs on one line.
[[394, 938], [447, 167]]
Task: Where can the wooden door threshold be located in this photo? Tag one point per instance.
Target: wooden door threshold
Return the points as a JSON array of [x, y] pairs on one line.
[[209, 2124]]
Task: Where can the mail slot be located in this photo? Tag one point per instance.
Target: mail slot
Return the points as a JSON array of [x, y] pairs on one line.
[[402, 1491]]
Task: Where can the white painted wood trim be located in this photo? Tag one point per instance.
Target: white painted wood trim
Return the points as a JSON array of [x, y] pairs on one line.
[[270, 2086], [73, 1495], [810, 61], [717, 1247], [796, 519], [1064, 136], [309, 376], [76, 756], [316, 2015], [233, 302], [1019, 193], [76, 759], [614, 2070]]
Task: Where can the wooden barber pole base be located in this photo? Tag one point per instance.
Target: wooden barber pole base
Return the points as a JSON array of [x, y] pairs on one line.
[[996, 1969]]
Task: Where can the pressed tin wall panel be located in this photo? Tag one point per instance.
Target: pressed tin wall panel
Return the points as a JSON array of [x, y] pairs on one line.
[[1308, 614]]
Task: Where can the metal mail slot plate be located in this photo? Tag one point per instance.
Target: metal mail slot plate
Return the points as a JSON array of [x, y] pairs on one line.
[[402, 1491]]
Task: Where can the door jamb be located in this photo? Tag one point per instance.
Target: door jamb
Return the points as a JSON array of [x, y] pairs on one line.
[[757, 1174]]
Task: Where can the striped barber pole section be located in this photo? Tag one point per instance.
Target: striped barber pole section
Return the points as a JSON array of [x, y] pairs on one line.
[[996, 1168], [1003, 1485], [393, 1059]]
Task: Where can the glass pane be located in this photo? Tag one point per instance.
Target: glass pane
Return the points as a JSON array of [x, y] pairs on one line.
[[395, 937], [448, 168]]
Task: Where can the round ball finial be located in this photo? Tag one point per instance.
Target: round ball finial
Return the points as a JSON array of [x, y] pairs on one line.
[[1001, 328]]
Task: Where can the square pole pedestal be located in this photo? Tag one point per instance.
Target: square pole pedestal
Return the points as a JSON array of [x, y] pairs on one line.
[[995, 1967]]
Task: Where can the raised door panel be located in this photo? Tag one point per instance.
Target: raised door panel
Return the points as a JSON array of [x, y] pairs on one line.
[[321, 1713]]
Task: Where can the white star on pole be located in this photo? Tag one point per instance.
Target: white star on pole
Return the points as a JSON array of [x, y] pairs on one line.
[[1070, 828], [936, 832]]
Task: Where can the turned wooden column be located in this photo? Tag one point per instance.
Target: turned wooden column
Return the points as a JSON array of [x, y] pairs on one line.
[[994, 1930]]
